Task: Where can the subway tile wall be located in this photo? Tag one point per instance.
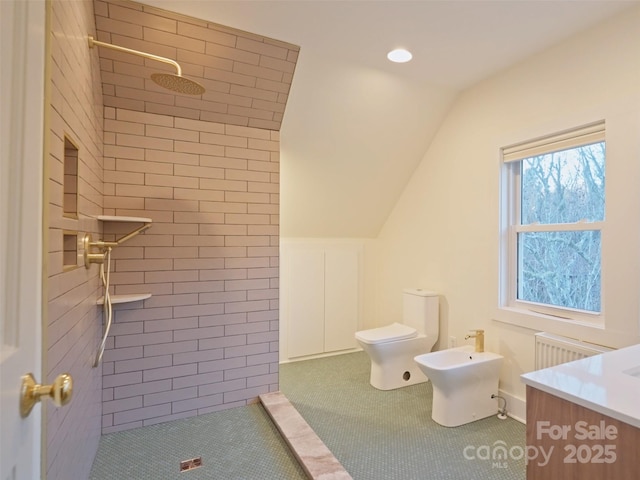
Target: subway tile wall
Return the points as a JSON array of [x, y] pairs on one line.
[[72, 321], [207, 339], [247, 77], [206, 171]]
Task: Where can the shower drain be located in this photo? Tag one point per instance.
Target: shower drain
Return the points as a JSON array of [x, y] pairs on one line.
[[186, 465]]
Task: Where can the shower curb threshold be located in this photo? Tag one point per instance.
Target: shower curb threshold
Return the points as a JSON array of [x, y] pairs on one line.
[[313, 455]]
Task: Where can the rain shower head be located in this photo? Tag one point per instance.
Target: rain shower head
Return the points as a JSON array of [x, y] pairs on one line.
[[175, 82]]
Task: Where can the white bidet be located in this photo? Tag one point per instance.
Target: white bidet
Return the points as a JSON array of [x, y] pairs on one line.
[[463, 383]]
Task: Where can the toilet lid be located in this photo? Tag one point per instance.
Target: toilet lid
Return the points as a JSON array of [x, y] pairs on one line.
[[390, 333]]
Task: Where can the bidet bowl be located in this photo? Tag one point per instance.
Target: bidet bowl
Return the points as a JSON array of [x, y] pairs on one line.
[[457, 362], [463, 382]]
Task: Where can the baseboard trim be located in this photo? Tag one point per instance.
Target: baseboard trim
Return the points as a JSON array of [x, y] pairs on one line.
[[319, 355], [516, 407]]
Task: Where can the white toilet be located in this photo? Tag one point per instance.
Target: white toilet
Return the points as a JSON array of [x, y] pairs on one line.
[[393, 348]]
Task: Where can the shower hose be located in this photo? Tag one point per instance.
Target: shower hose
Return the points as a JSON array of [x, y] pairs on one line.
[[107, 307]]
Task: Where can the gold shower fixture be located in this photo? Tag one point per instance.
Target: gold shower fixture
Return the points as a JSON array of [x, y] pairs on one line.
[[175, 82], [88, 243]]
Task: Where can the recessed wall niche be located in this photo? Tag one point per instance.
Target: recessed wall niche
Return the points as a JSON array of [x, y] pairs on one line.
[[70, 182], [69, 250]]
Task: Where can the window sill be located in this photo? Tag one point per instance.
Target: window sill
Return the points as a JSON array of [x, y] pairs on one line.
[[538, 322]]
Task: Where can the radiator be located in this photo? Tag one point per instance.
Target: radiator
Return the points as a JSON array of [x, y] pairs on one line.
[[553, 350]]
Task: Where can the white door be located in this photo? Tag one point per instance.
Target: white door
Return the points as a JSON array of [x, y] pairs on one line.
[[22, 49], [341, 297], [305, 317]]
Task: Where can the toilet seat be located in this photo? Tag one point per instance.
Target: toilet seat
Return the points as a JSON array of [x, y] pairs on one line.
[[390, 333]]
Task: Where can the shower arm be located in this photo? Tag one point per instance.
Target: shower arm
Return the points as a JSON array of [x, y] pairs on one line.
[[93, 42], [103, 244], [89, 243]]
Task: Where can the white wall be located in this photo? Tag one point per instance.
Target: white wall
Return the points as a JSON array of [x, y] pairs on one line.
[[342, 174], [326, 294], [443, 233]]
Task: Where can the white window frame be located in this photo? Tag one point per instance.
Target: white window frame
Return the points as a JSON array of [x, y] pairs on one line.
[[512, 157]]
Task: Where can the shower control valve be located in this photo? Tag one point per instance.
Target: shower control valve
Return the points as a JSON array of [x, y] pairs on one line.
[[91, 257]]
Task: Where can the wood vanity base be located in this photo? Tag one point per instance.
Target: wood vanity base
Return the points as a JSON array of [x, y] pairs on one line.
[[575, 443]]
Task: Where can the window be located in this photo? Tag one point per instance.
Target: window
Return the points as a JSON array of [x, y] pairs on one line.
[[555, 199]]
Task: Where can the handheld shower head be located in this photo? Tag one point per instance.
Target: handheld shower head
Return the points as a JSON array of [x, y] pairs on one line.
[[175, 82]]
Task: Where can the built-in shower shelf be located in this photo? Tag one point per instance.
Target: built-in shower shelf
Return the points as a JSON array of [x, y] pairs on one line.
[[132, 297], [118, 218]]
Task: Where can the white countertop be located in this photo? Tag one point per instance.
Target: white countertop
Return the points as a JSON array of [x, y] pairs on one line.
[[608, 383]]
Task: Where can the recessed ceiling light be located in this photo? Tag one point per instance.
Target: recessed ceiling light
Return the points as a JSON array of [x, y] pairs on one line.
[[399, 55]]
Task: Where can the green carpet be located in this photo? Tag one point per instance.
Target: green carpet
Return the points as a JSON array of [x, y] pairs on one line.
[[374, 434], [390, 435], [235, 444]]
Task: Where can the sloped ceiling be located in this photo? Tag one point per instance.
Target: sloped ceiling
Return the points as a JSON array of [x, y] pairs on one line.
[[356, 126]]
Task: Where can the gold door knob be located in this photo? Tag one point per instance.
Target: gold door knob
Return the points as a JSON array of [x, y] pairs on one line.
[[59, 391]]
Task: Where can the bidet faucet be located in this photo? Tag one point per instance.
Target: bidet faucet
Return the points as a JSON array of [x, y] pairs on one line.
[[479, 336]]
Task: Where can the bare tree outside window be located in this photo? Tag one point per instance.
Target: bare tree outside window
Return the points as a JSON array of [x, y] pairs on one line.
[[562, 266]]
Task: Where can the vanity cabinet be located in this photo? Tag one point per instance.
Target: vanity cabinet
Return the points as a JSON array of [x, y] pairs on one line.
[[572, 442]]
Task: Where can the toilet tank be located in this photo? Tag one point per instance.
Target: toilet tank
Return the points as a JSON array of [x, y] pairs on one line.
[[420, 310]]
